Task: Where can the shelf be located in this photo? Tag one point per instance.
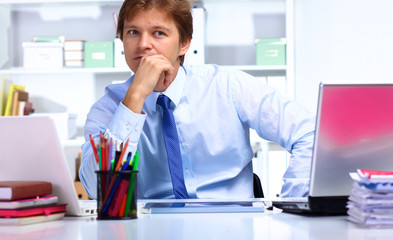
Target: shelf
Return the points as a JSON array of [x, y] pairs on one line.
[[48, 3], [23, 71], [256, 70], [252, 69], [27, 3]]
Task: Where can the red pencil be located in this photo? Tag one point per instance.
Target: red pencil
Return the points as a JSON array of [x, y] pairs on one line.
[[93, 145]]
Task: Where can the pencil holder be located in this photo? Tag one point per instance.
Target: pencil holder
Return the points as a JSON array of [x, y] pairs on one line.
[[116, 195]]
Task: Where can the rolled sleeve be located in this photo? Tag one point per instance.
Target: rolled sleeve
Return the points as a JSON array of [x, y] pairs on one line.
[[124, 124], [297, 176]]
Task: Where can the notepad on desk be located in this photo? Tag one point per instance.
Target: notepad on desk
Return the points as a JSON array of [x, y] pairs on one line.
[[152, 206]]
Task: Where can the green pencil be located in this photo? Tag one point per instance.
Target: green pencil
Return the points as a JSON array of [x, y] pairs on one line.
[[100, 157], [132, 184]]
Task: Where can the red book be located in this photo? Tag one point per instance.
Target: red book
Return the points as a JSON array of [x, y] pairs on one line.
[[13, 190], [24, 212], [374, 173], [375, 176]]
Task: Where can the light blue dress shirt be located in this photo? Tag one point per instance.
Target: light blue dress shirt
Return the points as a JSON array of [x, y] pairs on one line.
[[214, 107]]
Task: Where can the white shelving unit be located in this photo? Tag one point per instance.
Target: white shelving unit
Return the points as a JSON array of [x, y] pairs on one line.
[[22, 71], [252, 69], [45, 3], [78, 88]]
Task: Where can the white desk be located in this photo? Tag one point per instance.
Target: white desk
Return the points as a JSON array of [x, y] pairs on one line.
[[237, 226]]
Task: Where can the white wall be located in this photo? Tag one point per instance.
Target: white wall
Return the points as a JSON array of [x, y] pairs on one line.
[[341, 41], [4, 28]]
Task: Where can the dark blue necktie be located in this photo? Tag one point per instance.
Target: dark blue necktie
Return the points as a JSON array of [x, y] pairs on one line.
[[172, 148]]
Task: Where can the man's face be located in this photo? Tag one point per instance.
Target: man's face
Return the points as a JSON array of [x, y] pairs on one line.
[[148, 33]]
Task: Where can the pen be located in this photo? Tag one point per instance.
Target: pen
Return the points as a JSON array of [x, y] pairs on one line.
[[121, 155], [125, 165], [117, 156], [110, 155]]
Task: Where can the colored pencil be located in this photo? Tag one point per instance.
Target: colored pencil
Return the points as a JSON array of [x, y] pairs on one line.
[[93, 146], [131, 186]]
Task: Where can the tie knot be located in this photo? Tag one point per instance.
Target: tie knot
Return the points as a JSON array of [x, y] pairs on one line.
[[164, 101]]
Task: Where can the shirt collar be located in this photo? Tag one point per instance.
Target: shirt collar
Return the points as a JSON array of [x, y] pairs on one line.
[[174, 91]]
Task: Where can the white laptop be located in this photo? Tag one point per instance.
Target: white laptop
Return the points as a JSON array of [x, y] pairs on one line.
[[354, 130], [30, 149]]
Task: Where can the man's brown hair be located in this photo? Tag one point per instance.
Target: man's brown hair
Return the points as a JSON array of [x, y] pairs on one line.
[[178, 10]]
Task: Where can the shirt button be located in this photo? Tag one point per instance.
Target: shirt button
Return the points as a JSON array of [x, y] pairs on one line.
[[137, 128], [187, 170], [128, 126]]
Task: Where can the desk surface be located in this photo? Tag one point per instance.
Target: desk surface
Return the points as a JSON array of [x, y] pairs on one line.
[[267, 225]]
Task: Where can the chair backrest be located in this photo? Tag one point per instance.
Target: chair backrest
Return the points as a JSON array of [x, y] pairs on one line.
[[258, 192]]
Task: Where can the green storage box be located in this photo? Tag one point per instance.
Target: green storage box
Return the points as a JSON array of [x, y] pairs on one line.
[[271, 51], [98, 54]]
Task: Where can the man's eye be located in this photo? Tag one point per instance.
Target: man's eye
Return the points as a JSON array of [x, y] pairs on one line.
[[133, 32], [159, 33]]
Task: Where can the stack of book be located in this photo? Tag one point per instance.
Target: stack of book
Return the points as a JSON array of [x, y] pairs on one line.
[[74, 53], [371, 200], [18, 101], [28, 202]]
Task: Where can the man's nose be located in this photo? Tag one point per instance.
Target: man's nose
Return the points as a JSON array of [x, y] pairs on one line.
[[144, 41]]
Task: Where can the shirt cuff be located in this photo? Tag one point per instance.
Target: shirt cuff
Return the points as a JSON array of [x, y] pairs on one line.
[[295, 187], [126, 124]]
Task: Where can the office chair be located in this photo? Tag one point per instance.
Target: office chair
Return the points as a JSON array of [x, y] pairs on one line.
[[258, 192]]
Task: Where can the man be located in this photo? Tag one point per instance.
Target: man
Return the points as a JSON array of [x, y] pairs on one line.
[[213, 108]]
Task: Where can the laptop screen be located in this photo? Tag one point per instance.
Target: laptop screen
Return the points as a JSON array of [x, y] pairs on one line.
[[354, 130], [31, 150]]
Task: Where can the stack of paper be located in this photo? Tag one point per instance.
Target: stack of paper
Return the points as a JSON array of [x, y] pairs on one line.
[[74, 53], [371, 200]]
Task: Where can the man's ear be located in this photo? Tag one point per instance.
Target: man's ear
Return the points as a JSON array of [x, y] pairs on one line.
[[184, 47]]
